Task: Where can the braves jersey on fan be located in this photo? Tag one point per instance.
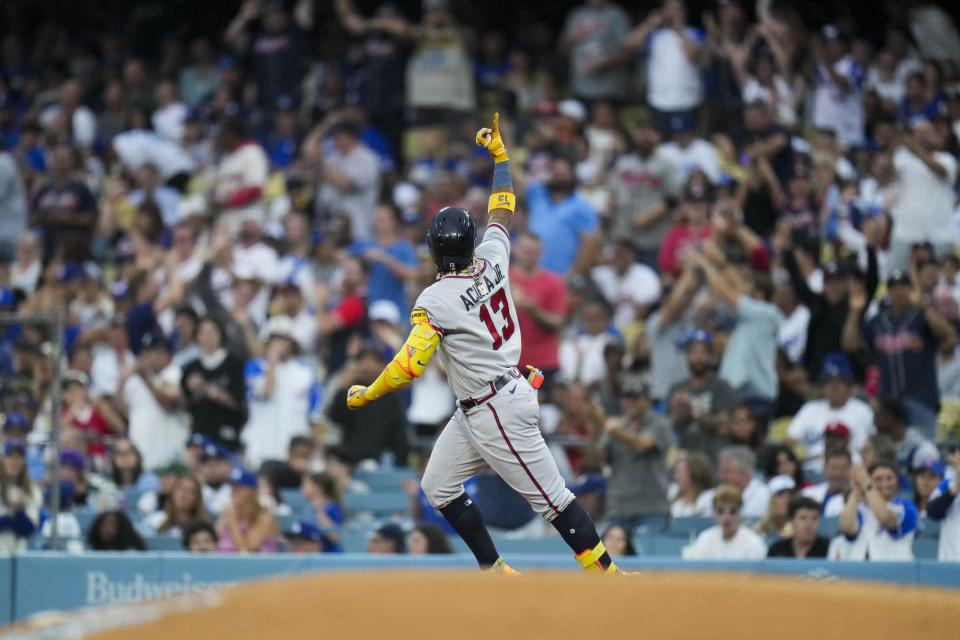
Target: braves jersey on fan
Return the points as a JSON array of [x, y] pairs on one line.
[[481, 335]]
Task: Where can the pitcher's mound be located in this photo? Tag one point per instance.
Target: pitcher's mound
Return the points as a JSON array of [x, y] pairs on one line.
[[462, 606]]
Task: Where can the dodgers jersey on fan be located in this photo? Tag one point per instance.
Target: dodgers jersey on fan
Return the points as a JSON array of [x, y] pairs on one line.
[[478, 325]]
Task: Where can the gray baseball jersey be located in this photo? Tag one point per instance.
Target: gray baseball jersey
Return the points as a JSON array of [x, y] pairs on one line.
[[474, 314], [480, 342]]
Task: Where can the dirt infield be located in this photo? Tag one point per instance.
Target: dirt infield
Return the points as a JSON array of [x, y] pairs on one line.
[[657, 606]]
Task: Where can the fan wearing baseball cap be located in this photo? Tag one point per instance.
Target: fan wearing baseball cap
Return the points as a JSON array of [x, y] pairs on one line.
[[837, 406], [903, 339]]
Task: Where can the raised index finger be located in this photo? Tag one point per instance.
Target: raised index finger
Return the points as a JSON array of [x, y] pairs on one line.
[[496, 120]]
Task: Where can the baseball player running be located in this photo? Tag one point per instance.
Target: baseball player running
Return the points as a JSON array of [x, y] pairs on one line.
[[467, 318]]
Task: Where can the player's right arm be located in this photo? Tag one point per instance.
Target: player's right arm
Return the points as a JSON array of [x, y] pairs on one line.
[[502, 199], [406, 366]]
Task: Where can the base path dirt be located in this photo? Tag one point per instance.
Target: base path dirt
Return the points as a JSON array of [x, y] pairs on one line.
[[656, 606]]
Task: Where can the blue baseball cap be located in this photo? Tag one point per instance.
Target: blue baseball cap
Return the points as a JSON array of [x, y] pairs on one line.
[[214, 450], [154, 340], [14, 445], [241, 477], [698, 335], [936, 467], [682, 122], [71, 458], [7, 298], [304, 529], [14, 421], [197, 440], [836, 365], [70, 271], [225, 62]]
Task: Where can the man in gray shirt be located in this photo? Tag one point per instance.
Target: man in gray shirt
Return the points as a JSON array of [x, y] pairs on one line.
[[641, 182], [593, 34], [350, 182], [636, 450]]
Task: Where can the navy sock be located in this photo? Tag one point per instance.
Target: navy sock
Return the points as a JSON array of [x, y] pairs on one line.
[[577, 530], [464, 516]]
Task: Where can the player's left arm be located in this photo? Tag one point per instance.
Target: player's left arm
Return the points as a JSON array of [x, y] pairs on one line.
[[406, 366], [502, 199]]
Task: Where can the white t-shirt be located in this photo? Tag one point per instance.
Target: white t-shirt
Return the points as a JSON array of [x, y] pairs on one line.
[[876, 543], [137, 146], [83, 123], [710, 545], [217, 500], [288, 412], [673, 81], [639, 285], [756, 499], [837, 109], [160, 435], [699, 154], [949, 549], [833, 505], [792, 334], [168, 121], [581, 358], [807, 427], [923, 209], [105, 371]]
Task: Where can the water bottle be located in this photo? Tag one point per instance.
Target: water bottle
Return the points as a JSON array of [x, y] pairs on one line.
[[387, 460]]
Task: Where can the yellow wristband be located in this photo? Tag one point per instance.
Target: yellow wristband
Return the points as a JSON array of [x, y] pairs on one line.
[[506, 201]]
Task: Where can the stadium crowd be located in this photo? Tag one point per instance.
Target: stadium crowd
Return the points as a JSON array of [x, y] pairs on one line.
[[734, 260]]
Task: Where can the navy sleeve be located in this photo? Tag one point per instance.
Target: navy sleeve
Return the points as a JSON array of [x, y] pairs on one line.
[[22, 525], [938, 507]]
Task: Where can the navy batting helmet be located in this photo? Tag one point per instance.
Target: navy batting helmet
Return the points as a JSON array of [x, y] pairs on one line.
[[451, 238]]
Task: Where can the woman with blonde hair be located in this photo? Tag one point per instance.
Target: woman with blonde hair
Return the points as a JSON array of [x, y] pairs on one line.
[[692, 474], [184, 506], [246, 525], [776, 521]]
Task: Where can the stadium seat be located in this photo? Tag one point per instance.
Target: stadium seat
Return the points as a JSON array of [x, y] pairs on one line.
[[689, 527], [379, 504], [85, 516], [297, 503], [925, 548], [383, 480], [829, 526], [163, 543], [928, 528], [659, 545]]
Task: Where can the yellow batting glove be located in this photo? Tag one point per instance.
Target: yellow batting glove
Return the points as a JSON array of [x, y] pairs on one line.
[[489, 139], [356, 396]]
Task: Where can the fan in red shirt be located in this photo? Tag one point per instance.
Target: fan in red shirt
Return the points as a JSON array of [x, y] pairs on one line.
[[691, 231], [79, 412], [540, 297]]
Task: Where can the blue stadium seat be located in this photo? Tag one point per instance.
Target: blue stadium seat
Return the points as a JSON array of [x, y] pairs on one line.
[[691, 526], [163, 543], [379, 504], [553, 544], [355, 541], [286, 522], [925, 548], [85, 516], [829, 526], [297, 503], [385, 479], [660, 545], [928, 528]]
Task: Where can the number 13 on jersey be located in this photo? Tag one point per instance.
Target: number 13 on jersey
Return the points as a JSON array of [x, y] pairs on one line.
[[497, 303]]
